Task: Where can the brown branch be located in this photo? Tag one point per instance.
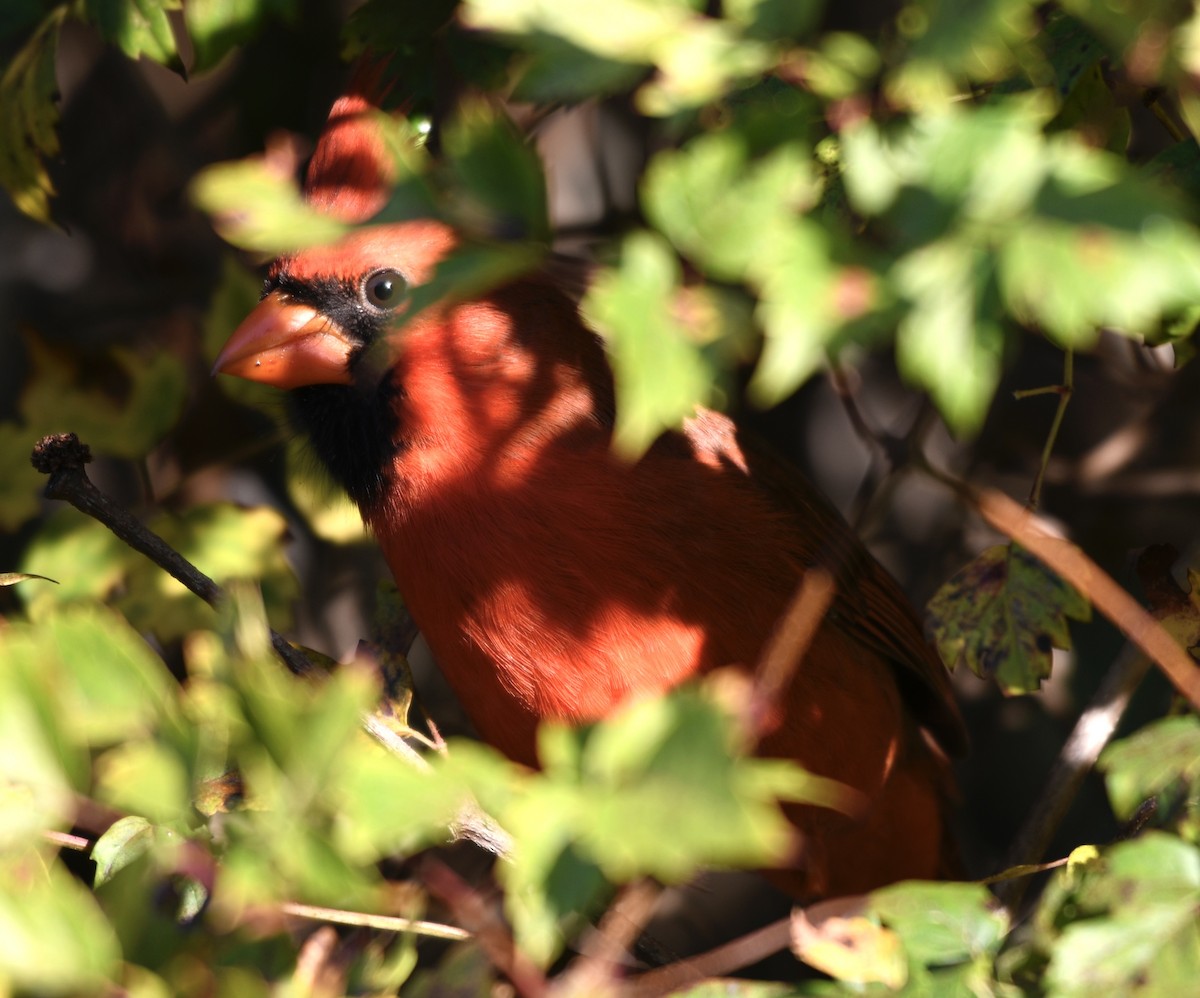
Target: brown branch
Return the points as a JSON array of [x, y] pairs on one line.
[[474, 913], [605, 950], [1093, 730], [787, 646], [731, 956], [1126, 613], [62, 456]]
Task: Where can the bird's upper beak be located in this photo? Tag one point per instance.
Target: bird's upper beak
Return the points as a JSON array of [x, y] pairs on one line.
[[287, 344]]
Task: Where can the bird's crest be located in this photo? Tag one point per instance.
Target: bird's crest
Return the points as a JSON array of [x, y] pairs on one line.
[[351, 170]]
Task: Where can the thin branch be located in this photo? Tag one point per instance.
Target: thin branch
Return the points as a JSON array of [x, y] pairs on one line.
[[1129, 616], [1064, 393], [473, 911], [386, 923], [787, 646], [723, 960], [605, 950], [1093, 730], [62, 456]]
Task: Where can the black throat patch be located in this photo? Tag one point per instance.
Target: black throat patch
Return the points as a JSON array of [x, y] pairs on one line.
[[353, 429]]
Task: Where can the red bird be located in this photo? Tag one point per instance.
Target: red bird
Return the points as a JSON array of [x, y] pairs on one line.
[[553, 579]]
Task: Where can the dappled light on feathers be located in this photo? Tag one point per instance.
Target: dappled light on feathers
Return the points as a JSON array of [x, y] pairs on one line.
[[555, 580], [350, 171]]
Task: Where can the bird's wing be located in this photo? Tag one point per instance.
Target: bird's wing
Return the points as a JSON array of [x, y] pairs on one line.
[[870, 606]]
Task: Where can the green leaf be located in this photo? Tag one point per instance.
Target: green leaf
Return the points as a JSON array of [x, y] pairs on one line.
[[1141, 934], [807, 300], [843, 65], [951, 41], [698, 58], [216, 27], [225, 542], [146, 778], [773, 19], [848, 946], [1002, 614], [949, 341], [105, 681], [557, 70], [651, 774], [57, 399], [126, 840], [660, 375], [720, 207], [84, 556], [1118, 254], [138, 27], [499, 172], [256, 207], [28, 117], [1163, 759], [20, 483], [37, 763], [942, 923], [56, 940]]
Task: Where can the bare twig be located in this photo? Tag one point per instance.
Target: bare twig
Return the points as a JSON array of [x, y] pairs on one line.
[[788, 645], [62, 456], [741, 952], [1064, 392], [473, 911], [605, 950], [386, 923], [1091, 733]]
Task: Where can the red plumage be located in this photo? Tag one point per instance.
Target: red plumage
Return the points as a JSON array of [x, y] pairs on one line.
[[553, 579]]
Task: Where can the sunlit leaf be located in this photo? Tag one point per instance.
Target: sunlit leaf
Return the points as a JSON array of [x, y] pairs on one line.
[[255, 207], [146, 778], [225, 542], [138, 27], [720, 207], [215, 27], [949, 341], [1142, 935], [949, 41], [1162, 759], [1002, 615], [942, 923], [849, 947], [660, 375], [56, 940]]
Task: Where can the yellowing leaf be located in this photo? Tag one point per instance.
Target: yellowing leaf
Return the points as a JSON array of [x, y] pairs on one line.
[[28, 118], [849, 947]]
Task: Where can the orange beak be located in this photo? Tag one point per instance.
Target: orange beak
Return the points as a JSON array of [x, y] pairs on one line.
[[287, 344]]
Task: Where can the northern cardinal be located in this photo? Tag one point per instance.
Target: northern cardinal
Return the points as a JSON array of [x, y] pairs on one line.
[[551, 578]]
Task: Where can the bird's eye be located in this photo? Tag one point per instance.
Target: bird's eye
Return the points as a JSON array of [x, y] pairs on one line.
[[384, 289]]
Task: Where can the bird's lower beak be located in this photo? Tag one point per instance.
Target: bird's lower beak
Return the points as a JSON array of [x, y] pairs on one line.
[[287, 344]]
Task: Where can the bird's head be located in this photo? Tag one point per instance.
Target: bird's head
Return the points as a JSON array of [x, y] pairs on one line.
[[324, 306], [367, 380]]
